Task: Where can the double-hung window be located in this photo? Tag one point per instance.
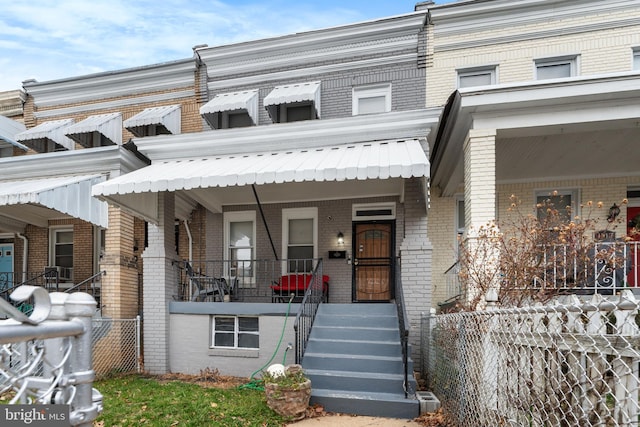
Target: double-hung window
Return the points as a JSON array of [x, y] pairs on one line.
[[636, 58], [564, 202], [372, 99], [240, 245], [556, 68], [61, 251], [300, 237], [477, 76], [235, 332]]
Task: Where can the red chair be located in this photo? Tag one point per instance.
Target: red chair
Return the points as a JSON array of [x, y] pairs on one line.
[[296, 284]]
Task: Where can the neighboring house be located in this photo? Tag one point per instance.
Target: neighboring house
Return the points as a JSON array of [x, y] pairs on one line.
[[538, 96], [315, 162], [76, 132]]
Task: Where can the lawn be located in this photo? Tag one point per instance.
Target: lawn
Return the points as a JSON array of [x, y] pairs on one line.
[[135, 400]]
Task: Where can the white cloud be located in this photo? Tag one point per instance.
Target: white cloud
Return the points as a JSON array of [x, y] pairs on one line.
[[52, 39]]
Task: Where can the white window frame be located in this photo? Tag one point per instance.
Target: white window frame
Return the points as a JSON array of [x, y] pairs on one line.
[[491, 70], [236, 332], [239, 216], [298, 213], [458, 215], [635, 58], [371, 91], [573, 192], [571, 60], [359, 210], [53, 239]]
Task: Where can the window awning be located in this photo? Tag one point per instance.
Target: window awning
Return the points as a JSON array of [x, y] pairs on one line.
[[246, 101], [8, 131], [288, 94], [54, 131], [166, 119], [23, 201], [380, 160], [97, 131]]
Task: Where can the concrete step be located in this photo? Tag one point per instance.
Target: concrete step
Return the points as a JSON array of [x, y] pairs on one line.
[[378, 348], [355, 334], [354, 363], [372, 404], [360, 309], [357, 320], [356, 381]]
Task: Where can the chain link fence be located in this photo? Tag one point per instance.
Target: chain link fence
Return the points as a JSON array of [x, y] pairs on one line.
[[116, 346], [568, 363]]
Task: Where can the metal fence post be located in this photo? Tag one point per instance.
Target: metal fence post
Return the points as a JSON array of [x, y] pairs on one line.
[[80, 307], [138, 340]]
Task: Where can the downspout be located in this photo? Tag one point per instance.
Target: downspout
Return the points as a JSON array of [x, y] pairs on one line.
[[186, 226], [25, 253]]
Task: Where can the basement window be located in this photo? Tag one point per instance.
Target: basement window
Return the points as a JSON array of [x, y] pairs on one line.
[[235, 332]]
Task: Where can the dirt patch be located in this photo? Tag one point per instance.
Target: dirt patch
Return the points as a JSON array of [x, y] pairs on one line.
[[209, 378]]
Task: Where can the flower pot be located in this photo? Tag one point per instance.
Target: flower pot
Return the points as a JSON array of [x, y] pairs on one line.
[[289, 401]]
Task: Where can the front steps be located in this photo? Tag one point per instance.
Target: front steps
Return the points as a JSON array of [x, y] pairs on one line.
[[354, 361]]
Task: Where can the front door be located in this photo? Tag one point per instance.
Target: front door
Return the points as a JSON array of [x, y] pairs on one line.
[[6, 265], [373, 261]]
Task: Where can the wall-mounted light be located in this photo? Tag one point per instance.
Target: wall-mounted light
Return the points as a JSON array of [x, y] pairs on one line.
[[614, 211], [340, 238]]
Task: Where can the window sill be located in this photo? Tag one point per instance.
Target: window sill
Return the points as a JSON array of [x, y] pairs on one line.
[[234, 352]]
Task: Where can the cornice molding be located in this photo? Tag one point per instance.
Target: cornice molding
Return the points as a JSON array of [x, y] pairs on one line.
[[93, 87], [469, 17], [307, 73], [520, 37], [112, 161], [118, 103]]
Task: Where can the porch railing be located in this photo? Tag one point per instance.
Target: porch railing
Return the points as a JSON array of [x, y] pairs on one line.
[[255, 280], [313, 297], [404, 329]]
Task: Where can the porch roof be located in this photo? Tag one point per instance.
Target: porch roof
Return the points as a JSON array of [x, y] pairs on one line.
[[387, 160], [36, 201]]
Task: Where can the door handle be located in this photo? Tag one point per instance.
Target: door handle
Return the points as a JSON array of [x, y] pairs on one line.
[[355, 261]]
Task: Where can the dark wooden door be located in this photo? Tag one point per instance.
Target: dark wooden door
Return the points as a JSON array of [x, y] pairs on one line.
[[373, 262]]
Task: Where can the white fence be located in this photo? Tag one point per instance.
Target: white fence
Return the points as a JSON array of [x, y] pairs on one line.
[[568, 363]]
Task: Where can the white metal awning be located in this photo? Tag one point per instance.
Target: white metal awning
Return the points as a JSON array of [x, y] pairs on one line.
[[38, 137], [36, 201], [288, 94], [166, 118], [245, 101], [97, 131], [8, 131], [355, 163]]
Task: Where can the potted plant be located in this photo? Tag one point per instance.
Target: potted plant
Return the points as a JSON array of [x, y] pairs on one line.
[[288, 390]]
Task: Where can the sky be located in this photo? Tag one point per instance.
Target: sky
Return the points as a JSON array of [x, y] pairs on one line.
[[53, 39]]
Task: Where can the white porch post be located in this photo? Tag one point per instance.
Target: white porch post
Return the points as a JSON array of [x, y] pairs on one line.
[[160, 283], [480, 196], [416, 255]]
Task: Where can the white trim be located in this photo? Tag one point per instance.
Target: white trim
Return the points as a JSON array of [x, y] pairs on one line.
[[574, 192], [491, 70], [635, 58], [53, 232], [298, 213], [236, 332], [359, 210], [371, 91], [571, 60]]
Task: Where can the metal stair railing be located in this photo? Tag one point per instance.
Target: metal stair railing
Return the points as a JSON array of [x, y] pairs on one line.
[[306, 315], [404, 329]]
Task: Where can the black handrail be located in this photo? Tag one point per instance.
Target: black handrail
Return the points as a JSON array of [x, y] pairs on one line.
[[404, 329], [313, 297], [89, 280]]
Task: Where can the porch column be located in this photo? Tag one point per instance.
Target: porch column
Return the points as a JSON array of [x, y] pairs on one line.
[[160, 284], [416, 258], [479, 178], [119, 292], [480, 198]]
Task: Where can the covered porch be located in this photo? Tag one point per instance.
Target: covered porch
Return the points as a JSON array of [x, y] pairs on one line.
[[263, 207], [566, 140]]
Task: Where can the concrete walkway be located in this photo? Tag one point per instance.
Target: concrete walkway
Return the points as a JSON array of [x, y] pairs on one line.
[[338, 420]]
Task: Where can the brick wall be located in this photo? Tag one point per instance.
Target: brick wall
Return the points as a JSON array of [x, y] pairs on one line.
[[600, 51]]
